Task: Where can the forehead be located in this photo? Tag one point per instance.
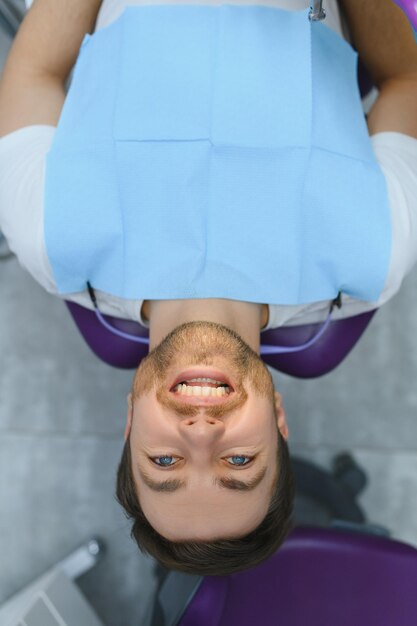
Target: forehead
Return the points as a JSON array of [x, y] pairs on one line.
[[206, 514]]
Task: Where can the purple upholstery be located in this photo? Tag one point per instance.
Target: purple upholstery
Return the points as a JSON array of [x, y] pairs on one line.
[[324, 355], [315, 361], [320, 578], [410, 9], [111, 349]]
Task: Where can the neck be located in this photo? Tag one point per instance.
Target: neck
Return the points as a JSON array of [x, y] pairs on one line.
[[245, 318]]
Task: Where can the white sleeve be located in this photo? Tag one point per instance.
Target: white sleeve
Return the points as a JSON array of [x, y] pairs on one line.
[[397, 157], [22, 174]]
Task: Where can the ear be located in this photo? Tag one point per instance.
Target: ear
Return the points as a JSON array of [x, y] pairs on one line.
[[281, 417], [129, 416]]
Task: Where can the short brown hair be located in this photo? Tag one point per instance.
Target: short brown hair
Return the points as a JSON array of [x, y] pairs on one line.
[[220, 557]]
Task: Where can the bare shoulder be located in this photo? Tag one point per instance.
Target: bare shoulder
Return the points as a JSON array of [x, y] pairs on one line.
[[395, 109], [28, 98], [384, 40]]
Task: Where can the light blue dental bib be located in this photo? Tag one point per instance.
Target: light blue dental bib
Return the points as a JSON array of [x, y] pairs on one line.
[[216, 151]]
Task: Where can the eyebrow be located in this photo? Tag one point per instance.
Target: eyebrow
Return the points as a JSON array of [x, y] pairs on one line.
[[170, 485]]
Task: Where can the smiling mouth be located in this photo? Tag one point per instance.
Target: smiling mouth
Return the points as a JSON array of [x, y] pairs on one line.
[[202, 387], [190, 385]]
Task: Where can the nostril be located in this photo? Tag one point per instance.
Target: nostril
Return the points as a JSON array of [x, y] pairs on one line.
[[192, 421]]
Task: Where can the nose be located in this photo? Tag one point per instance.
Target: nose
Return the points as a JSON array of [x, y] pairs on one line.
[[201, 429]]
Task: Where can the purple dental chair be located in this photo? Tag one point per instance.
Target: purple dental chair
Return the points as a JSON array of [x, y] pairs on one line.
[[319, 577], [319, 359]]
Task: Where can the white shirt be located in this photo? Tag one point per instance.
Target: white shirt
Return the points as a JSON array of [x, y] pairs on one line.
[[22, 176]]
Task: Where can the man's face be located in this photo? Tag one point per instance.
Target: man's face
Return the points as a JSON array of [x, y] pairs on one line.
[[204, 452]]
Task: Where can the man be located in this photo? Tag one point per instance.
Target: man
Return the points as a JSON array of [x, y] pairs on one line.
[[202, 408]]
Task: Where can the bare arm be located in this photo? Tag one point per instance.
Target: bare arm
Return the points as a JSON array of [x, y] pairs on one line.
[[384, 39], [32, 85]]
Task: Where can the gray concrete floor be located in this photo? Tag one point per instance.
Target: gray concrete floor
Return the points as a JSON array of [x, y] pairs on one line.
[[368, 406], [61, 426], [61, 431]]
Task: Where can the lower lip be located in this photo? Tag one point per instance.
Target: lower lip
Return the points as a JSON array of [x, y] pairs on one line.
[[202, 373]]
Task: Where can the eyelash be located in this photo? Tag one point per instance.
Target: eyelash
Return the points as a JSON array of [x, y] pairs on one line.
[[171, 456]]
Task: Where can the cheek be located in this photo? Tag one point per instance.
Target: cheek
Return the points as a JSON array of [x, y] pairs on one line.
[[127, 430], [146, 377], [262, 382], [148, 424]]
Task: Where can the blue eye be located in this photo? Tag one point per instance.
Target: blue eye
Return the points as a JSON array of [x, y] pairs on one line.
[[164, 461], [239, 459]]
